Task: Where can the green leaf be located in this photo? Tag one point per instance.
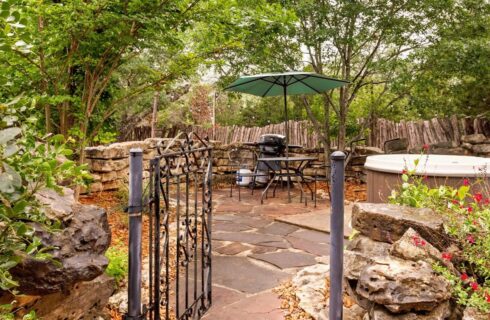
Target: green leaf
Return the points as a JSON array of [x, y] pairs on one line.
[[14, 177]]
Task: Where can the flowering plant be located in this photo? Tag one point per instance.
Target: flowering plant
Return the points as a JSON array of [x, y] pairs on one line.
[[466, 213]]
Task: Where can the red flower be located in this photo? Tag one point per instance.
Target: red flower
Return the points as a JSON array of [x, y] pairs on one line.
[[470, 239], [487, 201], [464, 276], [423, 243], [466, 182], [470, 209], [447, 256], [474, 286], [426, 147], [478, 197], [454, 201], [404, 171], [487, 297]]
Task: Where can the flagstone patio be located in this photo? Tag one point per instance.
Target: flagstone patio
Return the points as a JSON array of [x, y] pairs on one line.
[[256, 247]]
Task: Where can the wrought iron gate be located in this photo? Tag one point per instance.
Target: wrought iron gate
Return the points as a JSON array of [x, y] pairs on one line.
[[180, 212]]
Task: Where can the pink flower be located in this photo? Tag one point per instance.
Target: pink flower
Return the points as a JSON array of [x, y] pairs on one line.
[[466, 182], [426, 147], [447, 256], [478, 197], [470, 239], [474, 286], [464, 277]]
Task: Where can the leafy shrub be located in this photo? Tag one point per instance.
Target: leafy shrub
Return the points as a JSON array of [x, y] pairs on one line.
[[28, 163], [467, 219], [118, 262]]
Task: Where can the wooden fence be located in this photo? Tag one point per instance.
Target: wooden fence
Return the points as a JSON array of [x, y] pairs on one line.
[[418, 132]]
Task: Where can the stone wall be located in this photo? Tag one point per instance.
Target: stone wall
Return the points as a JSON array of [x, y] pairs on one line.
[[109, 164]]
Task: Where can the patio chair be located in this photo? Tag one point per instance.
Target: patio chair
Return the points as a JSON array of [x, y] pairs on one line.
[[319, 176]]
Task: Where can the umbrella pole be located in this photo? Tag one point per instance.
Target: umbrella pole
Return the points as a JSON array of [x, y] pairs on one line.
[[288, 180]]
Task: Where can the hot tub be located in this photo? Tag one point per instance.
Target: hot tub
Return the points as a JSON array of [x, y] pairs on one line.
[[384, 171]]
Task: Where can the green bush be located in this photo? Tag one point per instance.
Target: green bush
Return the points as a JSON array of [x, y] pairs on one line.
[[467, 219], [118, 263], [28, 163]]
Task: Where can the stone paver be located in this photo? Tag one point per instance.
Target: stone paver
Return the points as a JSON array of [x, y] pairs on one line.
[[278, 228], [230, 226], [310, 235], [286, 259], [240, 274], [315, 248], [263, 306], [277, 237], [233, 249]]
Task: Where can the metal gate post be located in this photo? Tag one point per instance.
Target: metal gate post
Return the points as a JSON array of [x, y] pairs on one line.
[[135, 207], [336, 236]]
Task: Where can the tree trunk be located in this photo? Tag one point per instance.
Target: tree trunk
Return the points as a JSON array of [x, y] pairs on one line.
[[44, 80], [154, 114]]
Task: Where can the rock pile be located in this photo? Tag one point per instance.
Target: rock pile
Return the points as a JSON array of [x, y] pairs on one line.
[[71, 285], [388, 267]]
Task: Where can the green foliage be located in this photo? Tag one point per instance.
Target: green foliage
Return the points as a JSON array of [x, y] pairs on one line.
[[467, 219], [28, 163], [118, 263]]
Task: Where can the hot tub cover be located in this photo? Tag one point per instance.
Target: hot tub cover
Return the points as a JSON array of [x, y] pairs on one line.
[[431, 165]]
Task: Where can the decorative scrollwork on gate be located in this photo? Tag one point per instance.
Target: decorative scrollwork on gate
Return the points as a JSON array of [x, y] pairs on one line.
[[180, 230]]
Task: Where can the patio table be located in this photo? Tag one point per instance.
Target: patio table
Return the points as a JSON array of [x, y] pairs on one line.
[[296, 166]]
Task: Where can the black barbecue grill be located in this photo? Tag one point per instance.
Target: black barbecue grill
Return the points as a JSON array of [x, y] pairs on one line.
[[271, 146]]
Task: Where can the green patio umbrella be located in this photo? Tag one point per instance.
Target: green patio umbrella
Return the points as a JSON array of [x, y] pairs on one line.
[[284, 84]]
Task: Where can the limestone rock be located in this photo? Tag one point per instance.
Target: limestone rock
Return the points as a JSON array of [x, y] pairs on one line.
[[310, 284], [354, 264], [441, 312], [114, 151], [473, 314], [368, 247], [102, 165], [79, 249], [355, 312], [474, 138], [58, 205], [481, 149], [388, 222], [85, 300], [411, 246], [368, 151], [403, 286]]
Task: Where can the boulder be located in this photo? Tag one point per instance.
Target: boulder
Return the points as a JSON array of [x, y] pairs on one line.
[[85, 300], [441, 312], [114, 151], [368, 247], [310, 284], [411, 246], [388, 222], [476, 138], [102, 165], [403, 286], [481, 149], [77, 254], [57, 205], [473, 314], [368, 151]]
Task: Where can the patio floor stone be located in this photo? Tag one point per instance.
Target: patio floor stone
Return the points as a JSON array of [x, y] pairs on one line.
[[278, 228], [286, 259], [240, 274], [257, 248]]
